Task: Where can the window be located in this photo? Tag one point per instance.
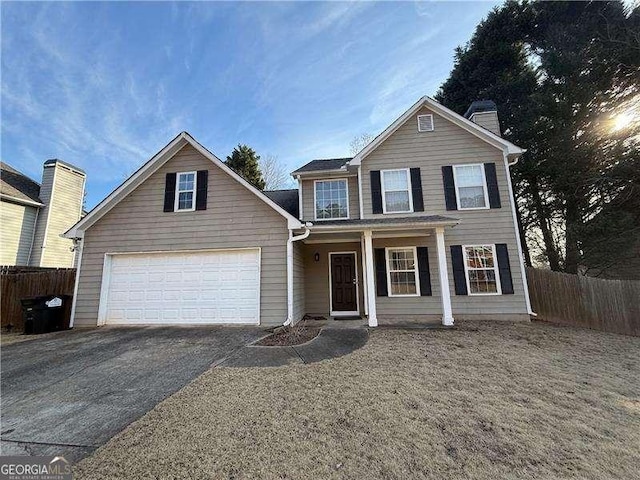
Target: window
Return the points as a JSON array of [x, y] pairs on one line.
[[185, 192], [425, 123], [402, 272], [481, 270], [332, 199], [396, 194], [470, 186]]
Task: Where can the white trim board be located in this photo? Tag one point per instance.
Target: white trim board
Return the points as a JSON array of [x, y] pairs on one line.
[[335, 313], [159, 159]]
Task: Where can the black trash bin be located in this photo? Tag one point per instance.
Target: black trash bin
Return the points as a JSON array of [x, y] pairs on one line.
[[46, 314]]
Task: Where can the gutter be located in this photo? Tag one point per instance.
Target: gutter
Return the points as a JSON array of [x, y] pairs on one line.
[[307, 232], [512, 201]]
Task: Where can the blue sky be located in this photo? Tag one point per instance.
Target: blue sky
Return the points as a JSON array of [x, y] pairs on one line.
[[106, 85]]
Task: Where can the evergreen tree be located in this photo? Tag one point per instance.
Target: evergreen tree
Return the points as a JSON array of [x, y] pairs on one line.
[[245, 162]]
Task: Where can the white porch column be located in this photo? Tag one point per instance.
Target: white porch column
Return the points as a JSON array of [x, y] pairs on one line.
[[365, 280], [445, 293], [371, 293]]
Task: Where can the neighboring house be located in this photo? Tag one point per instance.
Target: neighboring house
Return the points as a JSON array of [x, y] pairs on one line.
[[33, 217], [418, 226]]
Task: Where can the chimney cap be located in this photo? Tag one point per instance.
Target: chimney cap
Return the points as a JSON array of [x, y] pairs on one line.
[[54, 161], [481, 106]]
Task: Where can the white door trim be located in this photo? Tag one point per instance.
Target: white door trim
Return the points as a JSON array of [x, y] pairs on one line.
[[340, 313]]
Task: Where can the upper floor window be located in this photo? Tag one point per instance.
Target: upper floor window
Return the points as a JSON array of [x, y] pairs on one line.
[[331, 199], [481, 269], [185, 192], [471, 186], [396, 191]]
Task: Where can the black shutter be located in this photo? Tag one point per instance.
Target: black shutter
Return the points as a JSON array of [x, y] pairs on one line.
[[381, 272], [492, 185], [449, 188], [459, 277], [170, 192], [504, 268], [376, 192], [416, 190], [423, 271], [201, 189]]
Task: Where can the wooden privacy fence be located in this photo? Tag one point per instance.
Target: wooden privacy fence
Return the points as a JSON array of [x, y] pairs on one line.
[[16, 284], [608, 305]]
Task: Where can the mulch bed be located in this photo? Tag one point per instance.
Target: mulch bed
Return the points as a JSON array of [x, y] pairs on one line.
[[290, 336]]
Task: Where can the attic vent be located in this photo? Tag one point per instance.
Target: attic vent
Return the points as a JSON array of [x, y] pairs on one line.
[[425, 123]]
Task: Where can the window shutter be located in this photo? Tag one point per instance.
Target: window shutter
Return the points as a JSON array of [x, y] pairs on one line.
[[504, 268], [381, 272], [423, 271], [449, 188], [170, 192], [459, 277], [376, 192], [492, 185], [201, 189], [416, 190]]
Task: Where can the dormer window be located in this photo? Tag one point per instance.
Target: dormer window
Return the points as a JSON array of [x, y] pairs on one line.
[[185, 192], [331, 199]]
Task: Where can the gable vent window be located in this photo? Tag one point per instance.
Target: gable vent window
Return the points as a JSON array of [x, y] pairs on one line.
[[425, 123]]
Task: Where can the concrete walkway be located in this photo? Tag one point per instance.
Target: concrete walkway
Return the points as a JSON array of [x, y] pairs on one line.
[[332, 342]]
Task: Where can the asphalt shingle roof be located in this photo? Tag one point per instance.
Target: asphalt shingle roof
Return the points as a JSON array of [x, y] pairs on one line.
[[323, 164], [287, 199], [16, 184]]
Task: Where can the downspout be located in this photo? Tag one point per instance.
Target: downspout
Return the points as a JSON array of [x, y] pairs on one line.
[[512, 201], [290, 241]]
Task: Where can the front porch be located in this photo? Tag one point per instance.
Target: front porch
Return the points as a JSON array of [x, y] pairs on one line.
[[384, 274]]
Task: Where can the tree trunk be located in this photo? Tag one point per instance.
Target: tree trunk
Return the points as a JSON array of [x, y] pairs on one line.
[[523, 238], [572, 247], [549, 245]]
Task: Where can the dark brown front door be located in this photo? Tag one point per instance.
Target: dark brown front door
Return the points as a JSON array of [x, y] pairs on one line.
[[343, 282]]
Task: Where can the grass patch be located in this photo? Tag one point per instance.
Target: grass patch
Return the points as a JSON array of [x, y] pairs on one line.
[[485, 401]]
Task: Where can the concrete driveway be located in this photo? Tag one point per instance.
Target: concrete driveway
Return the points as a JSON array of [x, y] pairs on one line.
[[69, 393]]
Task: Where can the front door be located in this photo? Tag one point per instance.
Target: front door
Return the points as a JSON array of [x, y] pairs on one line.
[[344, 277]]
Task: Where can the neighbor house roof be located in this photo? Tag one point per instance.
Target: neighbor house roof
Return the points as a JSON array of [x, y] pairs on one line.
[[483, 134], [151, 166], [287, 199], [17, 186], [323, 164]]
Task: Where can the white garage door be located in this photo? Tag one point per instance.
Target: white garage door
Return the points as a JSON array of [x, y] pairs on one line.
[[183, 288]]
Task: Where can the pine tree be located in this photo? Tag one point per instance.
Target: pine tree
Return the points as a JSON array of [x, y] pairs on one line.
[[245, 162]]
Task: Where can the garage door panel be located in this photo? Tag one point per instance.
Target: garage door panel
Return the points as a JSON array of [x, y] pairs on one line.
[[184, 288]]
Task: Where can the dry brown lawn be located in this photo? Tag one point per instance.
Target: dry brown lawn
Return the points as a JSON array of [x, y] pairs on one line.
[[485, 401]]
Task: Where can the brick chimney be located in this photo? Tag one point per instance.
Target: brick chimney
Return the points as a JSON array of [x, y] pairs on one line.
[[62, 192], [485, 114]]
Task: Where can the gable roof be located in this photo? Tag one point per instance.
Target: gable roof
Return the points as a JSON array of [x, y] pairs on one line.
[[16, 185], [322, 165], [287, 199], [483, 134], [151, 166]]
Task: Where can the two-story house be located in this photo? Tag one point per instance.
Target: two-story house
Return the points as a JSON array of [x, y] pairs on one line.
[[33, 216], [418, 226]]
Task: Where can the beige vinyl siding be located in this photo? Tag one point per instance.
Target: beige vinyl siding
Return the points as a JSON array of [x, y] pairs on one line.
[[449, 144], [17, 224], [308, 196], [488, 120], [62, 193], [316, 279], [234, 218], [298, 281]]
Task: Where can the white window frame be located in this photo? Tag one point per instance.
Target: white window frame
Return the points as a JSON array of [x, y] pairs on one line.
[[415, 269], [496, 270], [315, 200], [384, 191], [176, 200], [484, 186], [433, 126]]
